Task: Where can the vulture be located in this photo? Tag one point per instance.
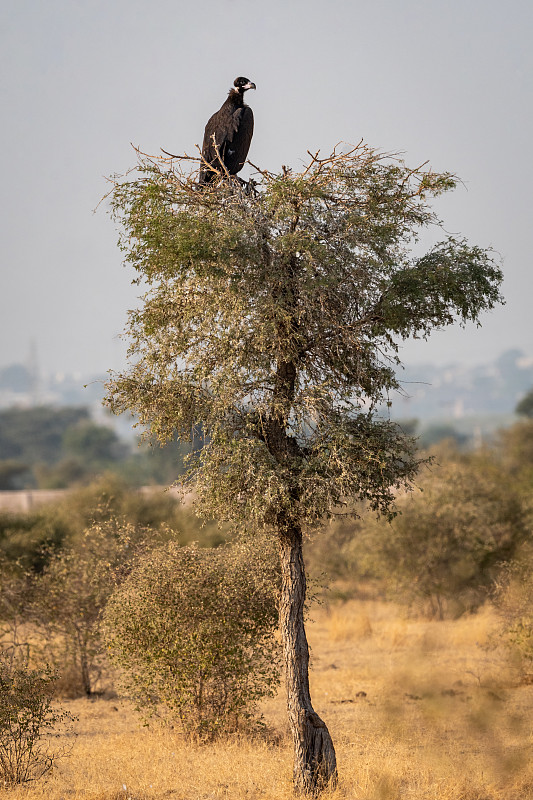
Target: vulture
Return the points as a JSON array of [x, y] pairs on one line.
[[231, 127]]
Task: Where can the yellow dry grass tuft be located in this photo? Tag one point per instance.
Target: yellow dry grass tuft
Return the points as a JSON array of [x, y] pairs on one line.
[[418, 710]]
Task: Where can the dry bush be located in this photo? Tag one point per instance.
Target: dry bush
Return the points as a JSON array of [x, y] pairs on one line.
[[27, 718], [53, 597], [29, 538], [69, 596], [514, 600]]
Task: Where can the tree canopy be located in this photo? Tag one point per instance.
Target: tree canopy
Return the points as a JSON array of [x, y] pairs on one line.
[[273, 319]]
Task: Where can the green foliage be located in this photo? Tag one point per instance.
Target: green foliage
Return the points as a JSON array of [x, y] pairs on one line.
[[525, 406], [273, 321], [87, 451], [57, 448], [93, 443], [36, 434], [25, 537], [152, 462], [193, 631], [14, 475], [450, 540], [27, 720], [54, 447]]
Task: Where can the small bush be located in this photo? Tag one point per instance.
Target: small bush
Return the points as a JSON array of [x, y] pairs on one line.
[[27, 719], [68, 598], [193, 629], [514, 600]]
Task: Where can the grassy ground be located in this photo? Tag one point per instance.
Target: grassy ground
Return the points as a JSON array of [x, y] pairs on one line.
[[417, 710]]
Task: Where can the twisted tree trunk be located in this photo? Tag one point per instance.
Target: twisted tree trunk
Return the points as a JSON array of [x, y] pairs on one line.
[[315, 764]]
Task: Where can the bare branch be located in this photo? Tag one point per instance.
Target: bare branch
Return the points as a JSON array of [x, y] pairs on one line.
[[184, 157]]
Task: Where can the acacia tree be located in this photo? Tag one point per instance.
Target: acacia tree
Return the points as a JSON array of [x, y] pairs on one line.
[[272, 319]]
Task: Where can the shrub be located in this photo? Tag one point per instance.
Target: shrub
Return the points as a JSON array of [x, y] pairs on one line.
[[193, 629], [24, 537], [109, 498], [69, 596], [516, 449], [514, 600], [27, 720], [446, 546]]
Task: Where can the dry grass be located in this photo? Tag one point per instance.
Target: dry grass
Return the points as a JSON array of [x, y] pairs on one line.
[[418, 710]]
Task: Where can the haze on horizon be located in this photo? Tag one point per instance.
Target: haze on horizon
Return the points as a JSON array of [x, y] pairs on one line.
[[444, 82]]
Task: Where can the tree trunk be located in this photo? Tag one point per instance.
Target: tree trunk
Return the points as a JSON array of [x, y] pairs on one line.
[[315, 765], [84, 665]]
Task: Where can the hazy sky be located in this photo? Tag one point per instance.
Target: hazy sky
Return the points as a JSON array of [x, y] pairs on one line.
[[444, 80]]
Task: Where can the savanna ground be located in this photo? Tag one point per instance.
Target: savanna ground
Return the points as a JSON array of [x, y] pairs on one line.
[[418, 709]]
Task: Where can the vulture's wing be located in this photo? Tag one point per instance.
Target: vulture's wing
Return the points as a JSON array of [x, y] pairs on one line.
[[221, 126], [238, 142], [213, 132], [232, 130]]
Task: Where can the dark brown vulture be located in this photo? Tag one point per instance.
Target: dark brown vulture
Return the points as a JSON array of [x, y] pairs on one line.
[[231, 128]]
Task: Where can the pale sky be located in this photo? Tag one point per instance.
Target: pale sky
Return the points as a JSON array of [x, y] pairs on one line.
[[444, 80]]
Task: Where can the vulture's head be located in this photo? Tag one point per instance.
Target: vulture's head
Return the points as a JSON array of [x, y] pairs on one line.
[[242, 84]]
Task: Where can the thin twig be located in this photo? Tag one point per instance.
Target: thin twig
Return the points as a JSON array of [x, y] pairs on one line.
[[184, 157]]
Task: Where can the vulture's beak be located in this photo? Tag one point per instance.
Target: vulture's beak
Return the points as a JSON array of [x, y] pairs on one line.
[[249, 86]]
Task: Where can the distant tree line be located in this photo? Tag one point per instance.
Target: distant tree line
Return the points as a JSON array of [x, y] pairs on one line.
[[525, 405], [53, 448]]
